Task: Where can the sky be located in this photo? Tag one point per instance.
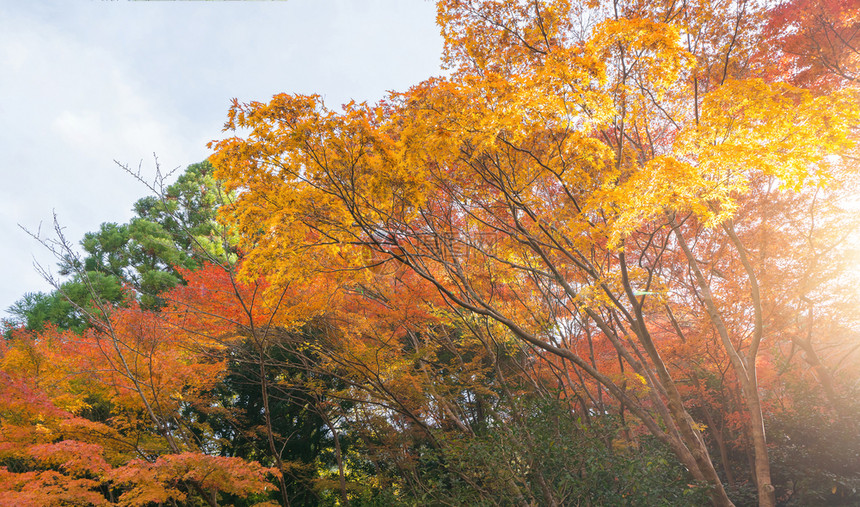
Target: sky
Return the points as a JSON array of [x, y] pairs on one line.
[[85, 85]]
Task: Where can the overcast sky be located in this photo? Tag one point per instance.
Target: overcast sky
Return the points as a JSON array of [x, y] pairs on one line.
[[85, 83]]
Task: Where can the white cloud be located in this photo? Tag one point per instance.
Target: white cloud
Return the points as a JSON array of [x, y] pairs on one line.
[[81, 130]]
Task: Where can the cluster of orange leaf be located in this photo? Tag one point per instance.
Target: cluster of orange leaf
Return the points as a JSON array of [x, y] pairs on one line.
[[96, 418]]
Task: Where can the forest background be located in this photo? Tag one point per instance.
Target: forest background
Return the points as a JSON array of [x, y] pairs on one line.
[[608, 259]]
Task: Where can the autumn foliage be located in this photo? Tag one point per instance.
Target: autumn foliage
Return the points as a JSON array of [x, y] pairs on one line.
[[604, 261]]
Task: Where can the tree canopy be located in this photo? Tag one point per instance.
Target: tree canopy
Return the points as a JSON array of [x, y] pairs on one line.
[[602, 261]]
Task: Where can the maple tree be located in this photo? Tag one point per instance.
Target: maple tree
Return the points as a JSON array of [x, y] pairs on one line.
[[95, 419], [574, 180], [817, 41], [114, 412]]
